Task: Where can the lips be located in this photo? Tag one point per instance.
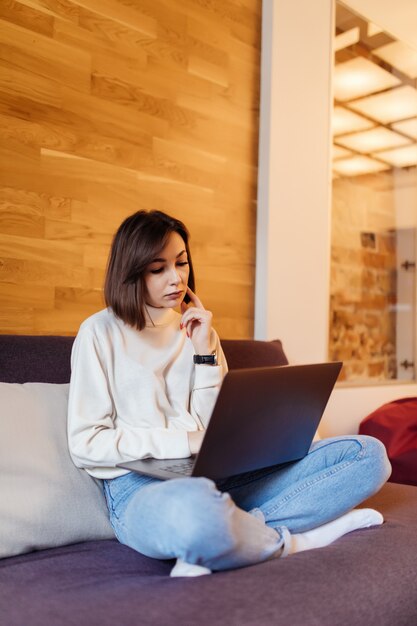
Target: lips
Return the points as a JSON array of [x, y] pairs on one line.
[[174, 294]]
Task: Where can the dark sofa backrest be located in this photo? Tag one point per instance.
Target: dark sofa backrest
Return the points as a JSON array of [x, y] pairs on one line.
[[46, 359]]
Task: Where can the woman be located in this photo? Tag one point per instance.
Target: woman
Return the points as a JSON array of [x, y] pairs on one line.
[[136, 391]]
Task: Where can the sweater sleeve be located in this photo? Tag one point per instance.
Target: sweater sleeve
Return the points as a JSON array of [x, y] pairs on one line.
[[207, 383], [93, 437]]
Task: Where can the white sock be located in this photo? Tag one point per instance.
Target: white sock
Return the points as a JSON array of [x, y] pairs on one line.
[[181, 568], [326, 534]]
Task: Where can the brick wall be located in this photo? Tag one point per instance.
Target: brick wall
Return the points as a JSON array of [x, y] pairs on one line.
[[363, 279]]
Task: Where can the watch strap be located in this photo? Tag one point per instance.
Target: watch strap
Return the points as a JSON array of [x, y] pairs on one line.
[[205, 359]]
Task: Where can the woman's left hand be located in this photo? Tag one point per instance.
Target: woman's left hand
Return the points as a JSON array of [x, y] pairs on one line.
[[197, 322]]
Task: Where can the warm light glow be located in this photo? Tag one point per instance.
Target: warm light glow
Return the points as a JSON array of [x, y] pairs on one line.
[[358, 165], [340, 153], [372, 140], [408, 127], [402, 157], [399, 55], [373, 29], [346, 39], [344, 121], [390, 106], [359, 77]]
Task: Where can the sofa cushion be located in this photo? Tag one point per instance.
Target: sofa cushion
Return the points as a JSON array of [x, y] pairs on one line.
[[242, 353], [45, 500], [46, 358], [35, 359]]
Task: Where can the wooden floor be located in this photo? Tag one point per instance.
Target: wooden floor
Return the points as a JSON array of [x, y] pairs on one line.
[[110, 106]]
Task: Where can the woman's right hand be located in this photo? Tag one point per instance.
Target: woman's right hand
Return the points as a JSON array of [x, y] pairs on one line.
[[195, 439]]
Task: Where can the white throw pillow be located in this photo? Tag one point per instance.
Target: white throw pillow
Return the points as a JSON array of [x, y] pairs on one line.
[[45, 501]]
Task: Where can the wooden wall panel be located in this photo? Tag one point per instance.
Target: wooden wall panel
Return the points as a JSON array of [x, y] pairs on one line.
[[110, 106]]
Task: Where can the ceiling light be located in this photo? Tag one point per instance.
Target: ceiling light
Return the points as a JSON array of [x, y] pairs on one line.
[[359, 77], [399, 55], [372, 140], [402, 157], [408, 127], [344, 121], [340, 153], [346, 39], [358, 165], [390, 106]]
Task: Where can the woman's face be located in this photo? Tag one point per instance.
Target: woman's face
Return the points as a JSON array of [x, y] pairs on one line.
[[166, 277]]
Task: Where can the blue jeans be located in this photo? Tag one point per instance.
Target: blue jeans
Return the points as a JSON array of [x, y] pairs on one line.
[[245, 519]]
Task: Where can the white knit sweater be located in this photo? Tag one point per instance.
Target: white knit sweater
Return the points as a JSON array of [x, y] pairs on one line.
[[136, 394]]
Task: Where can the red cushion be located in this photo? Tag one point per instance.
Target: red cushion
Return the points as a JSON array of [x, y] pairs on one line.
[[395, 424]]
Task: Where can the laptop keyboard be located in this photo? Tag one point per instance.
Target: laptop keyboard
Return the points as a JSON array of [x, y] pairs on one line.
[[184, 467]]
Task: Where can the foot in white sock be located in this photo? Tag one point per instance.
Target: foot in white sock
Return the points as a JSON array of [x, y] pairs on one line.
[[181, 568], [327, 533]]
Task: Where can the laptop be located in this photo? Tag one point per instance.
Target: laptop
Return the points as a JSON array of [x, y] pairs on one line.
[[262, 417]]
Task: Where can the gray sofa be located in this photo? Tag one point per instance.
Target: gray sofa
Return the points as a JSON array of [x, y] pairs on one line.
[[367, 577]]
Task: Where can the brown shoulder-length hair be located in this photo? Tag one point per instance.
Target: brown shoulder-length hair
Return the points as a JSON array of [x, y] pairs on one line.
[[136, 243]]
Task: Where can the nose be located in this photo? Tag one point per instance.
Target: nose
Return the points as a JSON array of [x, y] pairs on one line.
[[174, 277]]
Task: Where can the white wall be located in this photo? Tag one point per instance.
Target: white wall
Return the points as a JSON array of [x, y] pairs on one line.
[[349, 405], [294, 203]]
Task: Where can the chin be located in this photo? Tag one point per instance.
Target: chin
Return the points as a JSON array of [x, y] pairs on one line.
[[166, 305]]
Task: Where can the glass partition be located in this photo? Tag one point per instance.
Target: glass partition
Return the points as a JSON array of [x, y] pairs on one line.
[[374, 202]]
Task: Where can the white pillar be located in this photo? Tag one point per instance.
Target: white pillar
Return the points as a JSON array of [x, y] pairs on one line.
[[293, 228]]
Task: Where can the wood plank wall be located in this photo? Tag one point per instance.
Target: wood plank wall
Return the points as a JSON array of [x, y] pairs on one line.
[[110, 106]]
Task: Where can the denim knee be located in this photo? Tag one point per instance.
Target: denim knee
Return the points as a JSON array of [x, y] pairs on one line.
[[376, 459], [205, 528]]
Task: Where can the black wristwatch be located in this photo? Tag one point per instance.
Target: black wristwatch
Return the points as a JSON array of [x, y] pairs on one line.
[[205, 359]]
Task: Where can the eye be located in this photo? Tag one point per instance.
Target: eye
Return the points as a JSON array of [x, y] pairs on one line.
[[157, 271], [182, 263]]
